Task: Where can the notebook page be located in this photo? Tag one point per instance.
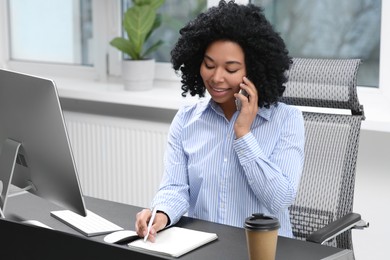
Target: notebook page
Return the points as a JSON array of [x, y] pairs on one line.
[[175, 241]]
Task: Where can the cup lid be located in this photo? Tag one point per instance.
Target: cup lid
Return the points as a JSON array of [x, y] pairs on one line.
[[259, 221]]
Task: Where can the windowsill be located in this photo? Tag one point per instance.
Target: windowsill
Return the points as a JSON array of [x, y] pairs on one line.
[[164, 94], [167, 95]]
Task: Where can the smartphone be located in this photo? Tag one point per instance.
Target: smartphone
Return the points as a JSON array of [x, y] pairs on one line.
[[238, 101]]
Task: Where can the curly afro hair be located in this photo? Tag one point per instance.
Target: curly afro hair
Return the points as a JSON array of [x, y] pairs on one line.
[[266, 56]]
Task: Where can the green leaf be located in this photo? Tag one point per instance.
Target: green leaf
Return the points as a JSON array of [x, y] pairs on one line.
[[138, 22], [124, 46], [156, 24], [152, 48], [156, 3]]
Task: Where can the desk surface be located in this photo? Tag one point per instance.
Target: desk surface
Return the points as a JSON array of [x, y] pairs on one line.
[[68, 243]]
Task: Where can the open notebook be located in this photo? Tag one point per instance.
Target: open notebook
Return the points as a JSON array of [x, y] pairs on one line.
[[174, 241]]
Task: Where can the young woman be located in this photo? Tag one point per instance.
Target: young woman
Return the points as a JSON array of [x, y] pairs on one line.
[[222, 163]]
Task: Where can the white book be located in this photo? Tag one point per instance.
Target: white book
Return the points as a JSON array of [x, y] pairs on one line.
[[175, 241]]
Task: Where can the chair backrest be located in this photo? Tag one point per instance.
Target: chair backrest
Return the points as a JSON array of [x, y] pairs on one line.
[[327, 186]]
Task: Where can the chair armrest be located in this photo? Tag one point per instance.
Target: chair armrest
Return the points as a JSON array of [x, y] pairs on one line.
[[349, 221]]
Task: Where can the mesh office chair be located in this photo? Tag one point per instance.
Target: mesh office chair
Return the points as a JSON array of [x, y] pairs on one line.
[[327, 186]]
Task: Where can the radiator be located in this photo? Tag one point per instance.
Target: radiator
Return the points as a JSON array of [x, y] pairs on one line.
[[118, 159]]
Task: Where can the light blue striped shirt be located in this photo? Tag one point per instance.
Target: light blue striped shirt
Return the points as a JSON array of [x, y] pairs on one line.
[[213, 176]]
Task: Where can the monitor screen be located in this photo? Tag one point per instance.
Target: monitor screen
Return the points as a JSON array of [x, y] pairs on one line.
[[35, 152]]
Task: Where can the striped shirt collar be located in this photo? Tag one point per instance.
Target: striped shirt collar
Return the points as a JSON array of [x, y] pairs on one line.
[[263, 112]]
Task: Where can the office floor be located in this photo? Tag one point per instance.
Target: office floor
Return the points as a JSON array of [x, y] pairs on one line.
[[372, 196]]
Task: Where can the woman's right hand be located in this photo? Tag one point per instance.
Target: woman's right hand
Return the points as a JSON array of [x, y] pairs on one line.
[[142, 220], [249, 108]]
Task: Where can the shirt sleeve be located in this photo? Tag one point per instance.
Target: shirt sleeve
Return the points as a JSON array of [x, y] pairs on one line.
[[275, 179], [173, 195]]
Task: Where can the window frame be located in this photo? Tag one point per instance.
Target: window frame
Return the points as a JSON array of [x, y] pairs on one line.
[[95, 72]]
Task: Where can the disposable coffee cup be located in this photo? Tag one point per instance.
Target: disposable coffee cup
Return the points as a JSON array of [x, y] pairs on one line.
[[261, 236]]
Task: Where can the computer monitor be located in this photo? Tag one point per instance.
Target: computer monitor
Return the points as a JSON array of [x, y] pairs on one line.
[[35, 152]]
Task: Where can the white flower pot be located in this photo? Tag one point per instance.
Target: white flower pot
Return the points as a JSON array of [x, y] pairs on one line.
[[138, 74]]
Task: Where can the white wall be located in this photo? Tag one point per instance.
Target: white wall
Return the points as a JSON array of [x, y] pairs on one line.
[[372, 192], [372, 195]]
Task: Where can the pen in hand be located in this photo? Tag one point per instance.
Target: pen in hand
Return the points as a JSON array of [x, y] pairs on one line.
[[150, 223]]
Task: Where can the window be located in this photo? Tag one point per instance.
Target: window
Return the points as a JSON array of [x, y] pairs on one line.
[[51, 31], [175, 14], [330, 29]]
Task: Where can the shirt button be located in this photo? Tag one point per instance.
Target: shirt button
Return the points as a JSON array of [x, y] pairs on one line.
[[225, 159]]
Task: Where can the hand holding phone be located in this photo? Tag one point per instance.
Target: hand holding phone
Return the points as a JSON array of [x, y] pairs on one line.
[[238, 101]]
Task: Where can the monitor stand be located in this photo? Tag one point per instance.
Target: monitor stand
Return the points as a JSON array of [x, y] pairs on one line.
[[8, 158]]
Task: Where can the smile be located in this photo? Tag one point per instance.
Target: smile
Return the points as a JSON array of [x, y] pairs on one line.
[[220, 89]]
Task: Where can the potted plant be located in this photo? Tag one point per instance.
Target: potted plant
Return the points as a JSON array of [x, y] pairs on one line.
[[139, 22]]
